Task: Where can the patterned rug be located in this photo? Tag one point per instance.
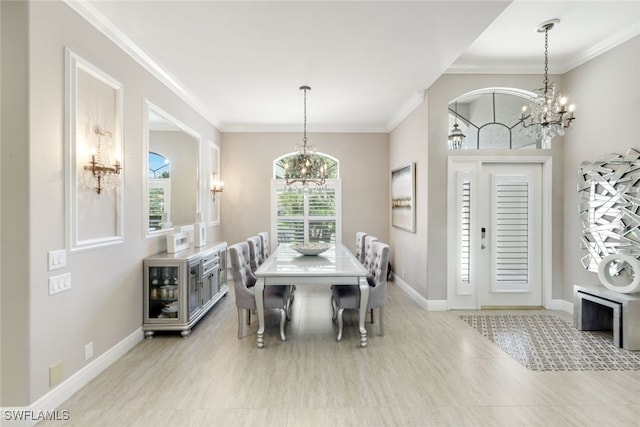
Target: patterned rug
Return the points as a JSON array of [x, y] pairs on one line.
[[547, 343]]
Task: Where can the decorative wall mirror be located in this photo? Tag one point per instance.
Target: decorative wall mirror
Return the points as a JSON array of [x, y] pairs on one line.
[[489, 118], [172, 179]]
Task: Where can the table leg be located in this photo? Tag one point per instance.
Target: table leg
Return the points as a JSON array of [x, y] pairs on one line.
[[364, 299], [259, 293]]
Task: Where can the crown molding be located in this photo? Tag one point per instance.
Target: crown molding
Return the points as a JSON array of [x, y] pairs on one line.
[[285, 128], [102, 24], [603, 46], [407, 108], [558, 67]]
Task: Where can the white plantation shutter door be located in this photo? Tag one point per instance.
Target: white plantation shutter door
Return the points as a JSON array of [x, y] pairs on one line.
[[511, 227]]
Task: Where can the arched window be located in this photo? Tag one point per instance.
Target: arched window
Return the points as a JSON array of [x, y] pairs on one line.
[[490, 119], [159, 166], [311, 215]]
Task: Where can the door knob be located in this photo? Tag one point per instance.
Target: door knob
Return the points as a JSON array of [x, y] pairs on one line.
[[483, 246]]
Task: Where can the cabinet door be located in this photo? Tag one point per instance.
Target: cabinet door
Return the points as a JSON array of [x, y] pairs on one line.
[[222, 271], [194, 287], [163, 296]]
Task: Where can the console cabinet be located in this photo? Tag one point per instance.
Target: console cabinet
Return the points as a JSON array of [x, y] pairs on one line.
[[181, 287]]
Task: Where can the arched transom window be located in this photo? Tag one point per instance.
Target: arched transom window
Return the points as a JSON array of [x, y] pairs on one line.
[[490, 119]]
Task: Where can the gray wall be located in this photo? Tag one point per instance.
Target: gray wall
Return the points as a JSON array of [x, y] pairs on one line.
[[104, 305], [247, 165], [408, 143], [606, 91], [14, 171], [439, 95]]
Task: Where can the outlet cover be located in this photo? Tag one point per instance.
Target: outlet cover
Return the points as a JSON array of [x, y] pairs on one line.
[[88, 351], [56, 373]]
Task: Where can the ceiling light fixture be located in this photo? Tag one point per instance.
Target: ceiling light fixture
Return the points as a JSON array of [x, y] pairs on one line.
[[456, 137], [549, 114], [306, 167]]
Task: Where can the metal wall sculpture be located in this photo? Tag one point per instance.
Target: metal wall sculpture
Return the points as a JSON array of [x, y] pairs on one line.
[[609, 209]]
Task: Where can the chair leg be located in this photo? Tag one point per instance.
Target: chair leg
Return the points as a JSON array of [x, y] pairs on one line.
[[240, 322], [289, 305], [372, 316], [248, 317], [381, 320], [334, 308], [283, 321], [339, 338]]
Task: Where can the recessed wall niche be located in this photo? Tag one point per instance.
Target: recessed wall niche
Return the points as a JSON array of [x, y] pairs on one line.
[[94, 167]]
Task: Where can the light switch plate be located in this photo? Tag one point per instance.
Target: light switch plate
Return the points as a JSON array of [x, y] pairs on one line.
[[59, 283], [57, 259]]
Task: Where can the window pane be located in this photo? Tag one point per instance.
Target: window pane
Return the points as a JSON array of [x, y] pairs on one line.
[[290, 203], [156, 208], [322, 202], [290, 231], [322, 230]]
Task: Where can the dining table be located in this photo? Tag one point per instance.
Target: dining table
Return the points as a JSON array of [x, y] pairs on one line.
[[336, 266]]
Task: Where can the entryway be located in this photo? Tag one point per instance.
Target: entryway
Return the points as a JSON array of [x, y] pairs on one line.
[[498, 216]]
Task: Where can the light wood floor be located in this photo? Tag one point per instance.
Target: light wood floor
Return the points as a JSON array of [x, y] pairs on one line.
[[429, 369]]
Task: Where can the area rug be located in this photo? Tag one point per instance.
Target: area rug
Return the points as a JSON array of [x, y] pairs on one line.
[[547, 343]]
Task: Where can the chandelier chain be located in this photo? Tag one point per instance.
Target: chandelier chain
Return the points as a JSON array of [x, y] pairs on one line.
[[549, 114], [306, 167], [304, 138], [546, 60]]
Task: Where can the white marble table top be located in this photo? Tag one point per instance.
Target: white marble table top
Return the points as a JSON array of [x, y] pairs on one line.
[[337, 261]]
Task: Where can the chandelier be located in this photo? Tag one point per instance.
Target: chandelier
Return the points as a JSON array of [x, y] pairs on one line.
[[103, 171], [456, 137], [306, 167], [549, 114]]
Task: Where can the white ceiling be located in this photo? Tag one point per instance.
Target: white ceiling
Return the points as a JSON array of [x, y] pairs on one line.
[[240, 63]]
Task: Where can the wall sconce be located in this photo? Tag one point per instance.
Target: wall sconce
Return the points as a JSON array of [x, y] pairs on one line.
[[102, 171], [216, 187]]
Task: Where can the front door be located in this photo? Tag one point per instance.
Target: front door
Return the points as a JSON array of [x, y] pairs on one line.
[[510, 236]]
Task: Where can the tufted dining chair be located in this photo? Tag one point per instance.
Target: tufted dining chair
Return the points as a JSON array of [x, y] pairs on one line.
[[368, 240], [360, 235], [275, 297], [348, 296], [256, 257], [264, 236]]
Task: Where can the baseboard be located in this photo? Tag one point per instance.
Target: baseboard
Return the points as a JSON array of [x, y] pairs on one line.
[[428, 305], [75, 382], [560, 304]]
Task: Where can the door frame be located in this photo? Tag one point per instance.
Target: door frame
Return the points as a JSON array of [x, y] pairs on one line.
[[472, 165]]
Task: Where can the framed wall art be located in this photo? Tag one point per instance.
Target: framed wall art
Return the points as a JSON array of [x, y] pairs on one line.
[[403, 194]]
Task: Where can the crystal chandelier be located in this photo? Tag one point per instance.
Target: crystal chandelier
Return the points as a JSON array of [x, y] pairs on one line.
[[102, 172], [549, 114], [305, 167], [456, 137]]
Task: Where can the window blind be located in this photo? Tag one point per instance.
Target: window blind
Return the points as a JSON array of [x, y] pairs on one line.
[[311, 216], [512, 233]]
